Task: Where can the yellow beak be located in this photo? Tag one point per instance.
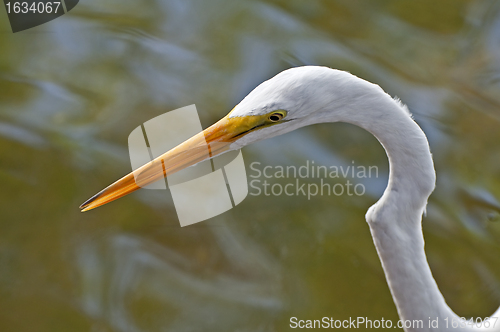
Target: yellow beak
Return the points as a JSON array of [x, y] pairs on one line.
[[217, 137]]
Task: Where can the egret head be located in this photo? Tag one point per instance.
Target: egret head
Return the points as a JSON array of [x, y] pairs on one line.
[[294, 98]]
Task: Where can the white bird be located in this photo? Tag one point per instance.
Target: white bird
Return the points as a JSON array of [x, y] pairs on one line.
[[307, 95]]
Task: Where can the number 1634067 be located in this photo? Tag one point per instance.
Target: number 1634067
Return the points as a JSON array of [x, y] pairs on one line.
[[35, 7]]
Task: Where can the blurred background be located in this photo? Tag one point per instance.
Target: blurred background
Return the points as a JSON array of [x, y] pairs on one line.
[[72, 90]]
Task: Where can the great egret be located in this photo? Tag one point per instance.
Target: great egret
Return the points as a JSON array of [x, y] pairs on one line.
[[307, 95]]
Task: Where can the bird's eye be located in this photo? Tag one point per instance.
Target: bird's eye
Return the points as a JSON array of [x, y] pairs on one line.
[[275, 117]]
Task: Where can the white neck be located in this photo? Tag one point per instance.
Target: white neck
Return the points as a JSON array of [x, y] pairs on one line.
[[395, 220], [319, 94]]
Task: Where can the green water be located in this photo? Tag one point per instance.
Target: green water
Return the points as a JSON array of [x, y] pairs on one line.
[[72, 90]]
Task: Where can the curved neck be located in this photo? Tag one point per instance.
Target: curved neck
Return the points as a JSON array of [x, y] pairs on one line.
[[395, 220]]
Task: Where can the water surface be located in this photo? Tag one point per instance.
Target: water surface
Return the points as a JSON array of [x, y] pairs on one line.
[[72, 90]]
